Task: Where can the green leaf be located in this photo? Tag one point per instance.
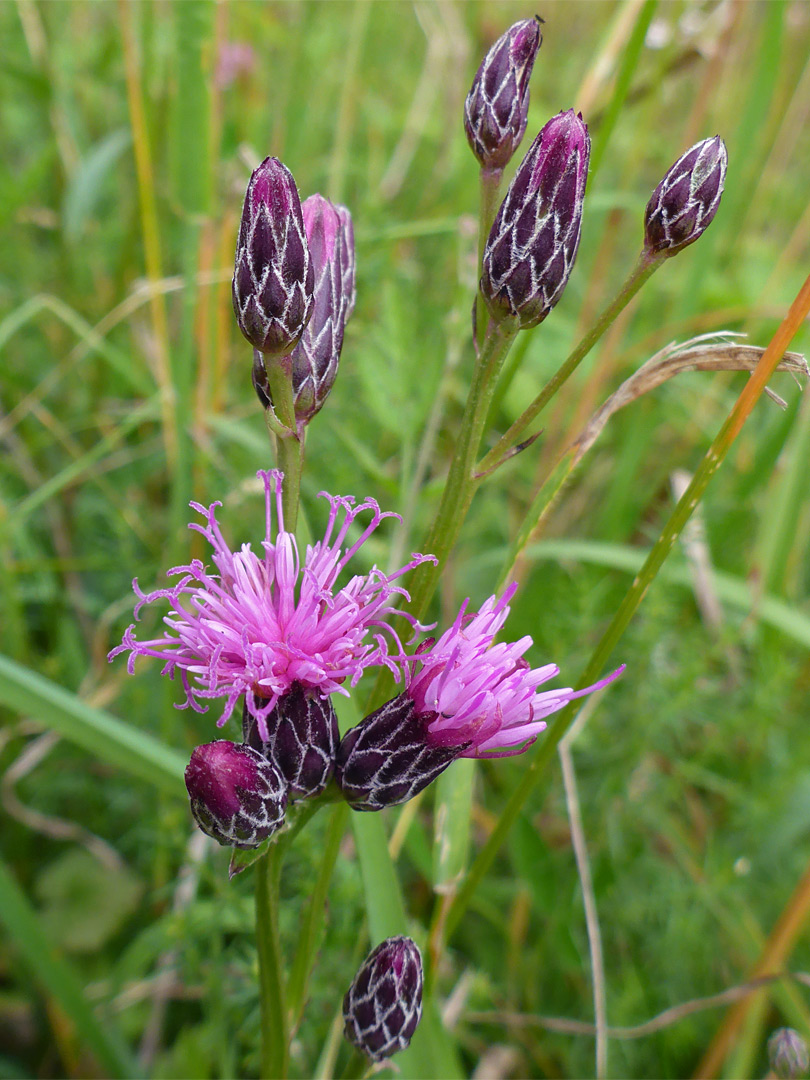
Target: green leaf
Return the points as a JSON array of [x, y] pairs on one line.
[[83, 901], [58, 978], [102, 735], [87, 184]]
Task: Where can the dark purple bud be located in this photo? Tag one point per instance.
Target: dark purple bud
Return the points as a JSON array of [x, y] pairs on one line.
[[273, 277], [787, 1052], [684, 203], [237, 796], [304, 735], [387, 758], [534, 239], [497, 105], [330, 236], [383, 1006]]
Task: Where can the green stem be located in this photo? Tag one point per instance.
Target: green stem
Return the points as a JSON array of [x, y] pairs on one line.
[[489, 201], [314, 914], [275, 1031], [678, 519], [289, 440], [461, 480], [644, 269]]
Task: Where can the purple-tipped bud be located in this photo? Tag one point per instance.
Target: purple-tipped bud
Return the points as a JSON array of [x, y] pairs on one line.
[[388, 758], [273, 277], [304, 735], [330, 235], [534, 239], [685, 202], [237, 796], [787, 1052], [383, 1006], [497, 105]]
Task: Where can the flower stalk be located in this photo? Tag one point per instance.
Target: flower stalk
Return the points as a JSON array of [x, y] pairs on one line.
[[489, 201], [461, 480], [289, 440], [641, 273], [275, 1030], [712, 460]]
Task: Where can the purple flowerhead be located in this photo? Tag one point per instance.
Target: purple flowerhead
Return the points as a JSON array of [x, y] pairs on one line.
[[497, 105], [535, 236], [684, 203], [273, 276], [263, 622], [237, 796], [383, 1006], [464, 697], [303, 738], [330, 237]]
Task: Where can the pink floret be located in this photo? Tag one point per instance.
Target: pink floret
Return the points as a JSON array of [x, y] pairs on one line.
[[480, 695], [262, 622]]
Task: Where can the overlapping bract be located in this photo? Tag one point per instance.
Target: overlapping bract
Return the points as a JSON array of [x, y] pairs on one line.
[[383, 1005], [330, 235], [237, 796], [497, 105], [265, 623], [273, 277], [302, 740], [535, 236], [684, 204], [465, 696]]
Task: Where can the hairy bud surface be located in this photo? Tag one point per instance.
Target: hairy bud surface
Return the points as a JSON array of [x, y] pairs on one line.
[[497, 105], [273, 277], [303, 739], [535, 236], [237, 796], [684, 204], [387, 758], [383, 1006]]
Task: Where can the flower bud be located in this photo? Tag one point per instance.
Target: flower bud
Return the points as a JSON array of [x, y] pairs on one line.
[[388, 758], [330, 237], [273, 277], [383, 1006], [304, 735], [684, 203], [237, 796], [497, 105], [534, 240], [787, 1052]]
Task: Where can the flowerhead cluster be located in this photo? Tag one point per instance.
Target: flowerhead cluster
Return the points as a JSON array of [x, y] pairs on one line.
[[262, 623]]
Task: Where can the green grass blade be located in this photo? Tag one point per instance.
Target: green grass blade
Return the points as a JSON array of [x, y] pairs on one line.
[[102, 735], [58, 979], [730, 589]]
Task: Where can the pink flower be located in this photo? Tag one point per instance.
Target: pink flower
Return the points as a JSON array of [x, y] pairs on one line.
[[481, 696], [264, 622], [464, 697]]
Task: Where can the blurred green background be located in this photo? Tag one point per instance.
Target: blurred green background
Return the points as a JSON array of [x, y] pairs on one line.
[[128, 134]]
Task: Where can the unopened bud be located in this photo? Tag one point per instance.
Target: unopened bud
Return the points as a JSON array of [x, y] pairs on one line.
[[237, 796], [387, 758], [304, 735], [497, 105], [535, 237], [330, 237], [684, 203], [273, 276], [787, 1052], [383, 1006]]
